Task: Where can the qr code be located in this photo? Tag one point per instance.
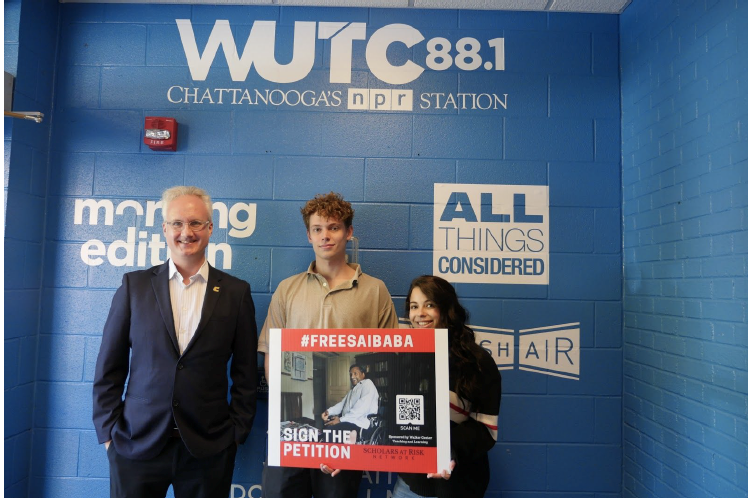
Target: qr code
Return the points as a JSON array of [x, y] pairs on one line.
[[410, 409]]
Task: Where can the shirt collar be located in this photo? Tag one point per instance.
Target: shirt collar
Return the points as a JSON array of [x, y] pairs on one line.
[[312, 273], [312, 270], [202, 272]]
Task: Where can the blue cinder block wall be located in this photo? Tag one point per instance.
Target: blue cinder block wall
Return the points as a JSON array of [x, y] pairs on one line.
[[561, 129], [30, 50], [684, 67]]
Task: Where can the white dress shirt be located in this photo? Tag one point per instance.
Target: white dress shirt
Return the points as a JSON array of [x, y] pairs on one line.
[[187, 302], [361, 401]]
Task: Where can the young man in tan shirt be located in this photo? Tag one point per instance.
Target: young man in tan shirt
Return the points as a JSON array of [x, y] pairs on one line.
[[329, 294]]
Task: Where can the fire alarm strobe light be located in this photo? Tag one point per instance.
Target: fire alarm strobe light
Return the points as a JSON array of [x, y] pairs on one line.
[[160, 133]]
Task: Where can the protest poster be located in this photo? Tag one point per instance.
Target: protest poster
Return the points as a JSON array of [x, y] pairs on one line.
[[359, 399]]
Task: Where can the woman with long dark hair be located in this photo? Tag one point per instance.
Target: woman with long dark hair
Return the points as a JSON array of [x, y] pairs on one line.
[[474, 397]]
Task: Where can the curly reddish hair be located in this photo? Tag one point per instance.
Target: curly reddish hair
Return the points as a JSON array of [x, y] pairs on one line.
[[330, 205]]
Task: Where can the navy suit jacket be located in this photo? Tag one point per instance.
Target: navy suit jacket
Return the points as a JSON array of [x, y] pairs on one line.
[[164, 387]]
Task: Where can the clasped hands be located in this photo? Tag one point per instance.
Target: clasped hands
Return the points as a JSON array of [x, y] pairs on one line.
[[330, 420]]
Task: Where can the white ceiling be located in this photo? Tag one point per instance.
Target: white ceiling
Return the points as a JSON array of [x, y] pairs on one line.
[[594, 6]]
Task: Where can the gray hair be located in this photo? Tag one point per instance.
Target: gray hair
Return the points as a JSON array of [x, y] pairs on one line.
[[172, 193]]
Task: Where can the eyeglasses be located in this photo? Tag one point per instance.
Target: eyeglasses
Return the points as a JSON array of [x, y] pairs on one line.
[[195, 225]]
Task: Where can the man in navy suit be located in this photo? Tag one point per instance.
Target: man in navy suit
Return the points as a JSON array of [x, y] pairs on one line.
[[173, 328]]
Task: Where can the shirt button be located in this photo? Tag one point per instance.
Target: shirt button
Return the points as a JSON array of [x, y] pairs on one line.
[[324, 284]]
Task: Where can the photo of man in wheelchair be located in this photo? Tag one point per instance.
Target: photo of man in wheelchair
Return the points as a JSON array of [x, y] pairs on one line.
[[358, 413]]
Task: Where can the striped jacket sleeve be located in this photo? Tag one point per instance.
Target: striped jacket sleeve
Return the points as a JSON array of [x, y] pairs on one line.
[[474, 433]]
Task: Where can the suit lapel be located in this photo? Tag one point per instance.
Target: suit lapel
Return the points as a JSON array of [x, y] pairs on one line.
[[212, 294], [160, 283]]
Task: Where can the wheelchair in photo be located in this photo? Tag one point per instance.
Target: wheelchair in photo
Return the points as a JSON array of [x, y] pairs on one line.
[[376, 433]]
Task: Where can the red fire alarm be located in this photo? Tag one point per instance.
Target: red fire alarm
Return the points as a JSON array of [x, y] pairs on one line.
[[160, 133]]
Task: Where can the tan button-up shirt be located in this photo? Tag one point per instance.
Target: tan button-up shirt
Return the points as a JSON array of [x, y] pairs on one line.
[[304, 301]]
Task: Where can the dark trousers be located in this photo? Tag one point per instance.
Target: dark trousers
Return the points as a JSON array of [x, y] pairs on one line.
[[346, 427], [191, 477], [290, 482]]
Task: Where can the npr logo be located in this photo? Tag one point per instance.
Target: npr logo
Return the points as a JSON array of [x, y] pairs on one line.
[[371, 99], [550, 350]]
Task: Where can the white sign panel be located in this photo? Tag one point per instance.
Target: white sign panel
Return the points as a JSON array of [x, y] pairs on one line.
[[499, 343], [551, 350], [491, 234]]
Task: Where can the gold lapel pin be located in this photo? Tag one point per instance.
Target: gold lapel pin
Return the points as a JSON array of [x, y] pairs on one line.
[[216, 289]]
